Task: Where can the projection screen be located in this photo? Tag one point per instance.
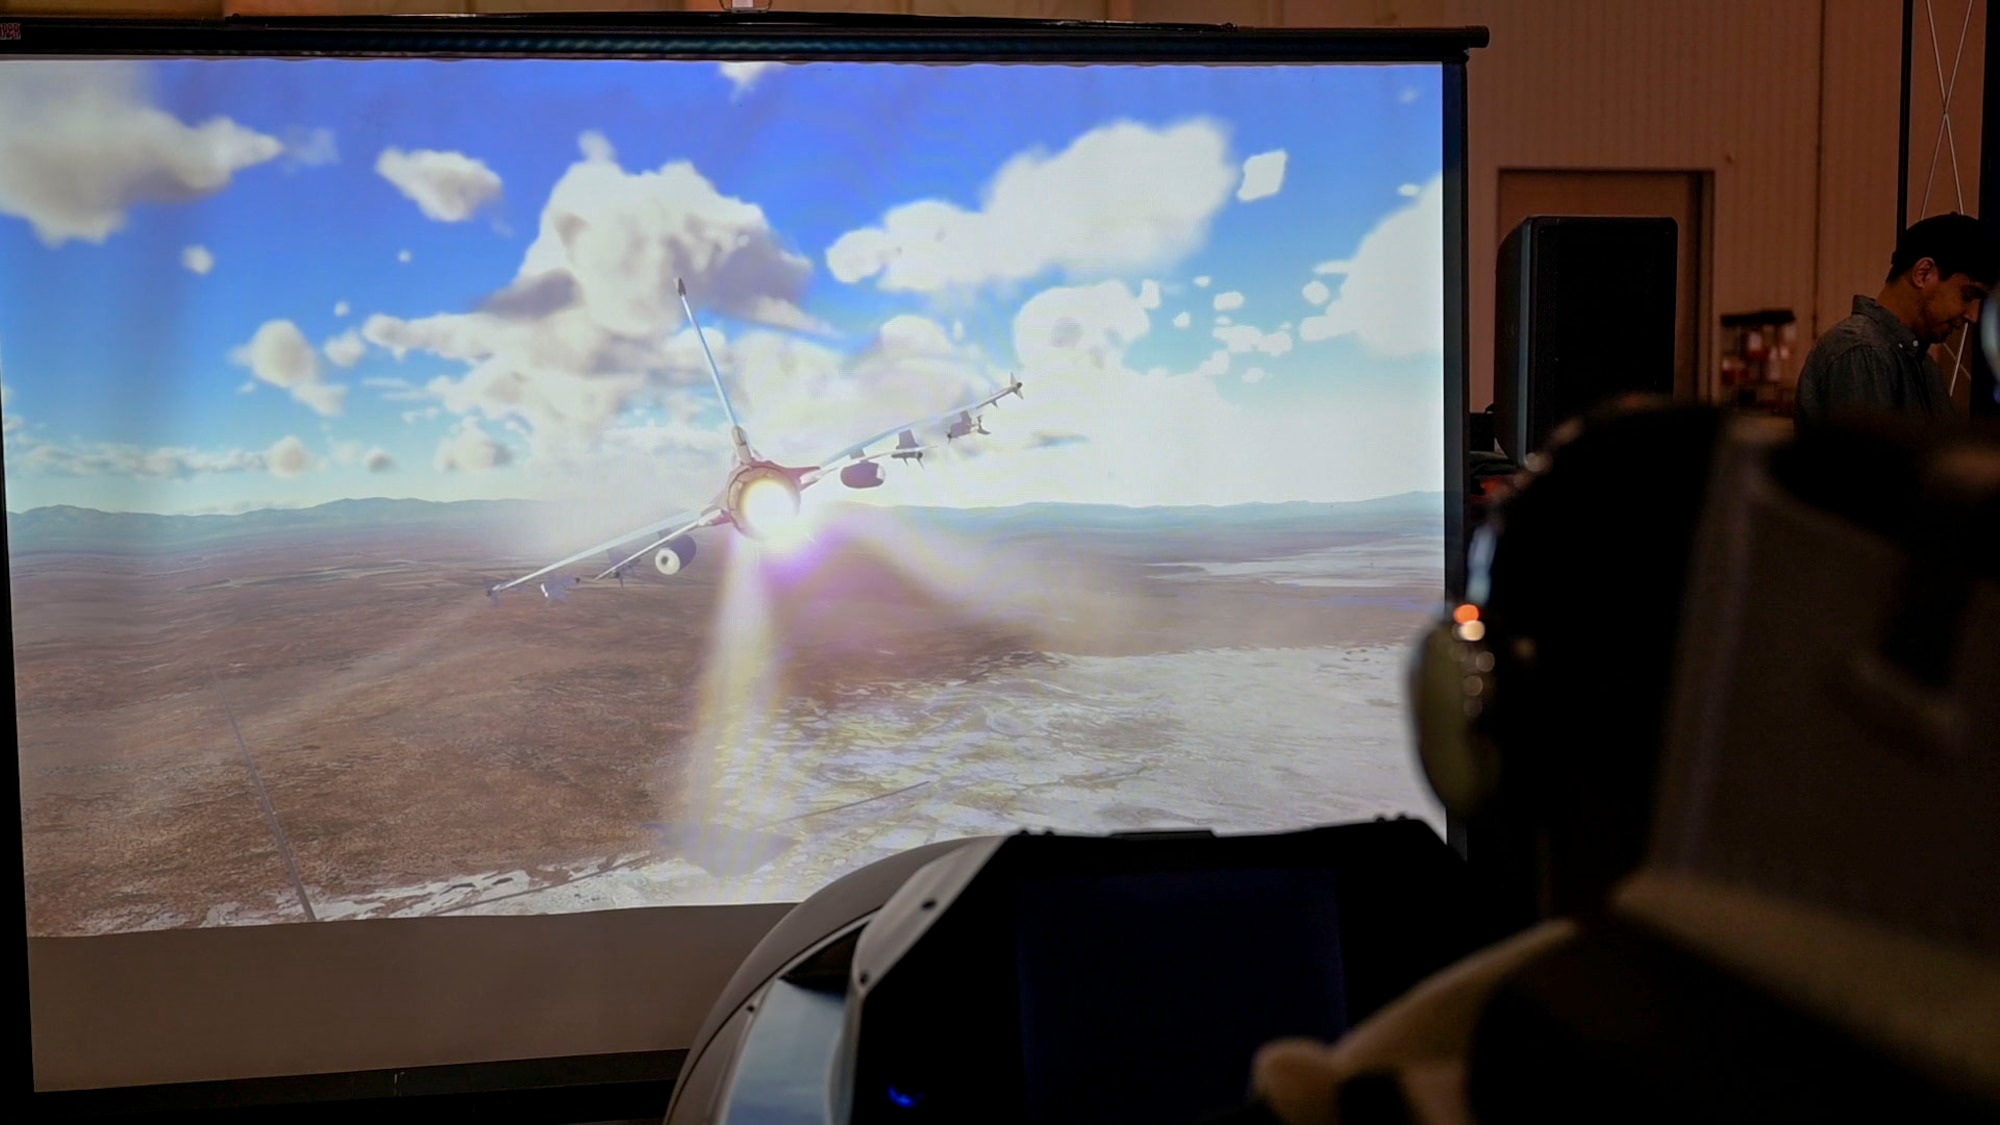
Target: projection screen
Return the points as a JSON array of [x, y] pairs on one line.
[[473, 493]]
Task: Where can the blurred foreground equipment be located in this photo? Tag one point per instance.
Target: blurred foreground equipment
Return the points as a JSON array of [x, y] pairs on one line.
[[1814, 930]]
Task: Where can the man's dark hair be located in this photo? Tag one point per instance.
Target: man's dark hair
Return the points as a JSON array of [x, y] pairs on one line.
[[1957, 243]]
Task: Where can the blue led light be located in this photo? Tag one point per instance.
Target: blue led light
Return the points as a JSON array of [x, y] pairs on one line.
[[902, 1099]]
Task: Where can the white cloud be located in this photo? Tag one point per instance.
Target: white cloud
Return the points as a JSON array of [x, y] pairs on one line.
[[1391, 298], [1316, 292], [310, 148], [197, 259], [279, 355], [744, 75], [1162, 436], [596, 147], [1263, 175], [447, 186], [346, 349], [396, 390], [1071, 343], [342, 308], [134, 461], [1121, 197], [288, 457], [378, 461], [80, 145], [590, 326], [1183, 320], [1149, 294], [1407, 95], [1409, 191], [1228, 302], [1078, 327], [468, 448], [563, 373], [802, 399], [246, 386], [1225, 320], [1241, 338], [1203, 281], [31, 455], [404, 256], [412, 417], [1255, 375], [624, 237]]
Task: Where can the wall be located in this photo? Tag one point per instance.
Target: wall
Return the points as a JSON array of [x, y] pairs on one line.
[[1792, 104]]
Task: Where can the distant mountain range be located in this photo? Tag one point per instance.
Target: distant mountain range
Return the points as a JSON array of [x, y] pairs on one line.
[[64, 527], [68, 528]]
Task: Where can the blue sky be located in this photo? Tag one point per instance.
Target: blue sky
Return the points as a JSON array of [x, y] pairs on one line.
[[234, 284]]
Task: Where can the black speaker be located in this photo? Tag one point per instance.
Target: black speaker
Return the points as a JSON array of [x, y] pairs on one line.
[[1584, 312]]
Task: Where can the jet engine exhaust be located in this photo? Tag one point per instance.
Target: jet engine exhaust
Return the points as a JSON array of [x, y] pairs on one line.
[[764, 502]]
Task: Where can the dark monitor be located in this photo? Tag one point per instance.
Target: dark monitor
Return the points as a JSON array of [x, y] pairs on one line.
[[1187, 972]]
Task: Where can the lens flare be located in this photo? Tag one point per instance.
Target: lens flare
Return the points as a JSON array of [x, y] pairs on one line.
[[771, 509], [725, 779]]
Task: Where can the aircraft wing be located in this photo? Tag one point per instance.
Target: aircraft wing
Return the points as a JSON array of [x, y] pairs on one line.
[[856, 456], [680, 524], [859, 452], [708, 518]]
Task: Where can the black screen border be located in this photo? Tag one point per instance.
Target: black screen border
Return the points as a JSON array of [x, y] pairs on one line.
[[729, 36], [725, 36]]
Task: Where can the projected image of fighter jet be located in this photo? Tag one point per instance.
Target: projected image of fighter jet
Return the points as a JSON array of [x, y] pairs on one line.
[[759, 495]]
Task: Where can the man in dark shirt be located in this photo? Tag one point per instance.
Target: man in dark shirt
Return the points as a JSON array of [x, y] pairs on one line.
[[1878, 360]]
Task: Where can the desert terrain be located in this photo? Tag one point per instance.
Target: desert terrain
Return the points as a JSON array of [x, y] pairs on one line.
[[744, 731]]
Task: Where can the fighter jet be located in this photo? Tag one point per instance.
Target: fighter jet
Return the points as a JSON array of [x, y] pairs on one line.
[[757, 492]]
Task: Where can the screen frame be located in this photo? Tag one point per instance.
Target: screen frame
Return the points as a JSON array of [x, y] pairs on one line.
[[720, 36]]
